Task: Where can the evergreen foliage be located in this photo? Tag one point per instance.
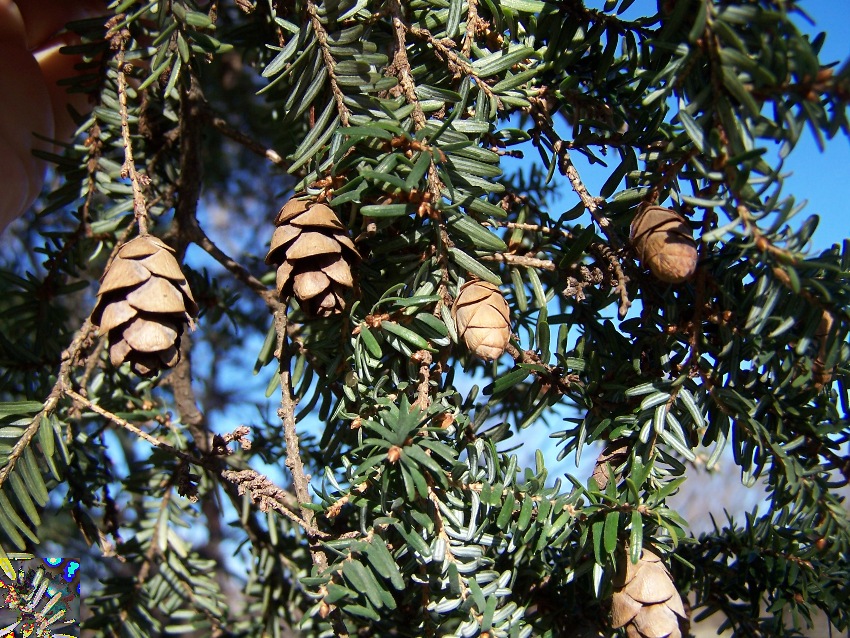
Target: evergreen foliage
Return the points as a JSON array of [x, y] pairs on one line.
[[415, 507]]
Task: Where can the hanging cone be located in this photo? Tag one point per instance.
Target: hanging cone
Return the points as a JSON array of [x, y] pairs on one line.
[[482, 317], [314, 254], [144, 303], [645, 600], [664, 243]]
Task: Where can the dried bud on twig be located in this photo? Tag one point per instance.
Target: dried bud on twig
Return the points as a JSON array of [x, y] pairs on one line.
[[646, 601], [664, 243], [314, 256], [482, 317], [822, 374], [144, 303], [614, 454]]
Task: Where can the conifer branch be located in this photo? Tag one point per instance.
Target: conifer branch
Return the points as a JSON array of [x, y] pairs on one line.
[[300, 480], [543, 123], [521, 260], [220, 124], [330, 64], [456, 64], [123, 423], [473, 23], [197, 235], [401, 65], [128, 169]]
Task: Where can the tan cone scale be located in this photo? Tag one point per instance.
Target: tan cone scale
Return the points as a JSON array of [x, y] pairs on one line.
[[144, 303], [664, 244], [314, 254], [482, 317], [646, 601]]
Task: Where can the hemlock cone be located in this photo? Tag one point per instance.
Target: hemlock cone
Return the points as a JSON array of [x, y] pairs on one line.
[[482, 317], [143, 305], [314, 255], [664, 243], [645, 600]]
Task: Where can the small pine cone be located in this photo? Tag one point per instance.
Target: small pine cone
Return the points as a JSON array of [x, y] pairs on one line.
[[314, 255], [645, 599], [664, 244], [143, 305], [482, 317]]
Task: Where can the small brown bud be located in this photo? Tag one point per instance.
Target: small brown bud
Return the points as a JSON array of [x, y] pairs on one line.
[[324, 609], [394, 454], [781, 276], [664, 243], [482, 317], [820, 372], [614, 454], [444, 420]]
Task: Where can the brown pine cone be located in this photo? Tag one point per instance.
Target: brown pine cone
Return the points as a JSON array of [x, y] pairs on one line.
[[314, 255], [645, 600], [482, 317], [664, 243], [144, 303]]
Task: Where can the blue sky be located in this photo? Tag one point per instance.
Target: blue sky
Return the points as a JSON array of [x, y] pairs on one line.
[[822, 178]]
